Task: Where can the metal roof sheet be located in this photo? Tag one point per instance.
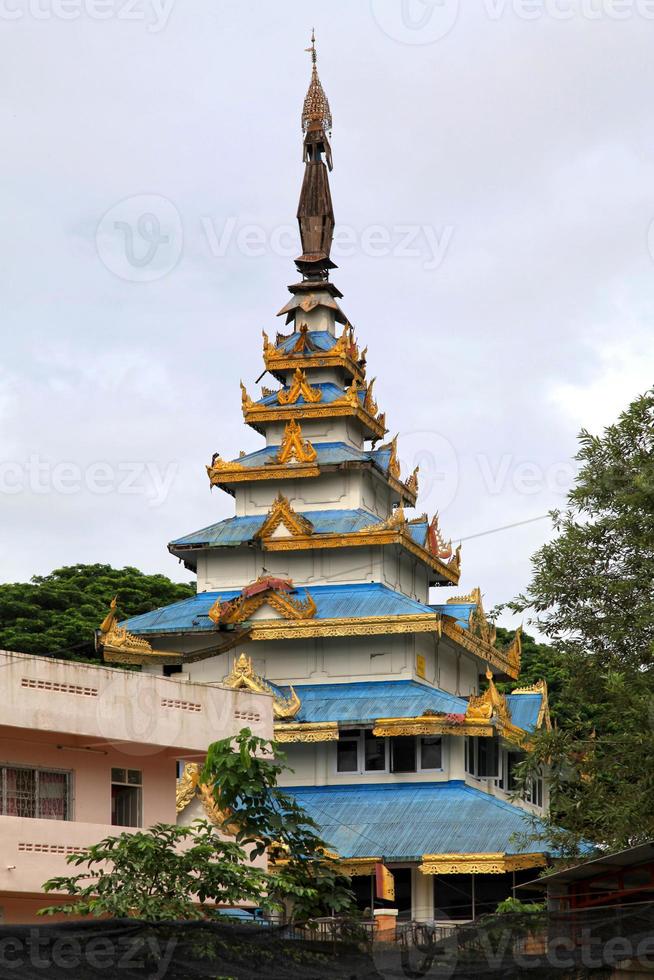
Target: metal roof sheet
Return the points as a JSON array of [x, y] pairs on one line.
[[403, 821], [524, 710], [332, 602], [363, 701], [460, 611], [330, 393], [322, 339], [238, 530], [328, 453]]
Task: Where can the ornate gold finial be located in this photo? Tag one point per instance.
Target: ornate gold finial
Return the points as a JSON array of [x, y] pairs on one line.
[[316, 107], [294, 448]]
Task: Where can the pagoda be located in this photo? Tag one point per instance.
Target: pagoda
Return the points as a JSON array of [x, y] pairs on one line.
[[330, 592]]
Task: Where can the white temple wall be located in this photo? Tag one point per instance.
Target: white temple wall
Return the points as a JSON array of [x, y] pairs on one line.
[[314, 764]]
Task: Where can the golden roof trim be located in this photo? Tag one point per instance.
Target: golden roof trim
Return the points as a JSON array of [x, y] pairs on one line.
[[240, 609], [347, 626], [323, 731], [430, 725], [491, 863], [507, 660]]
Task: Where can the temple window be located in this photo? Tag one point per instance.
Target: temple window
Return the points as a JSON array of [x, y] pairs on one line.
[[42, 793], [126, 797], [483, 757], [358, 750]]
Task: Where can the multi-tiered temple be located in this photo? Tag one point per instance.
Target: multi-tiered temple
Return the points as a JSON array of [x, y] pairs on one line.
[[318, 591]]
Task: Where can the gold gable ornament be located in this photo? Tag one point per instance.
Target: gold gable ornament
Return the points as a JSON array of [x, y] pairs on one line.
[[241, 608], [299, 388], [243, 676], [294, 449], [280, 513]]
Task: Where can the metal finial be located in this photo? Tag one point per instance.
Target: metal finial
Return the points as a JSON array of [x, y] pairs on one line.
[[312, 49]]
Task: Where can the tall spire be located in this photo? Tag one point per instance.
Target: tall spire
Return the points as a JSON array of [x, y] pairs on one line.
[[315, 212]]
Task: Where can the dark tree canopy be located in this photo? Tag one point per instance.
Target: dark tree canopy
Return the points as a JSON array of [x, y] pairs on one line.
[[58, 613], [592, 596]]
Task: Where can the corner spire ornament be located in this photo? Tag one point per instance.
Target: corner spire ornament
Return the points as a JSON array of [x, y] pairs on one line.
[[315, 213]]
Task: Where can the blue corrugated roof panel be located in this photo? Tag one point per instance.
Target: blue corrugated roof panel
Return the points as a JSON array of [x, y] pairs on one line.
[[332, 602], [322, 339], [419, 532], [460, 611], [239, 530], [524, 710], [364, 701], [330, 393], [327, 453], [403, 821]]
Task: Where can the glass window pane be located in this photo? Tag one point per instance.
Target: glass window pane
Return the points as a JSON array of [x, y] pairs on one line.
[[430, 752], [375, 753], [488, 757], [404, 753], [347, 755], [125, 806], [118, 776], [134, 777]]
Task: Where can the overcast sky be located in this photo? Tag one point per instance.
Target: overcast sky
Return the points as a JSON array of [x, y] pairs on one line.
[[494, 188]]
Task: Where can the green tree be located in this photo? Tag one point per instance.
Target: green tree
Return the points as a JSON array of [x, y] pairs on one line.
[[58, 613], [166, 872], [592, 596], [177, 872], [306, 878]]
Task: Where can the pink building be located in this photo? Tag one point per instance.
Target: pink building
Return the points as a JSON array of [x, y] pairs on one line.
[[86, 751]]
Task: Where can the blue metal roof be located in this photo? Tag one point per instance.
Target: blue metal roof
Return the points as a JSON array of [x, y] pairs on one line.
[[460, 611], [329, 453], [403, 821], [239, 530], [361, 702], [323, 340], [524, 710], [332, 602], [419, 532], [330, 393]]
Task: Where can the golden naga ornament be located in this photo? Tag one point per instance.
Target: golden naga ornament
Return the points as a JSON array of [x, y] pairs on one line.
[[393, 463], [189, 788], [294, 449], [300, 388], [243, 676]]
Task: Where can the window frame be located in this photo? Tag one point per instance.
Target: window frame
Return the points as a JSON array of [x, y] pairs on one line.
[[37, 770], [127, 784], [361, 756]]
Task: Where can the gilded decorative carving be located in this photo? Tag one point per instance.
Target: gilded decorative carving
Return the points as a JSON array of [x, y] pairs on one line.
[[343, 354], [189, 787], [436, 542], [477, 864], [412, 482], [326, 731], [243, 676], [357, 867], [294, 449], [369, 626], [241, 608], [394, 463], [429, 725], [118, 645], [300, 388], [369, 403], [280, 513], [489, 706], [507, 661]]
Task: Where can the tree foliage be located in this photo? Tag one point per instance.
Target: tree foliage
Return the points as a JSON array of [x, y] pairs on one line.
[[182, 872], [58, 613], [592, 595], [166, 872], [306, 879]]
